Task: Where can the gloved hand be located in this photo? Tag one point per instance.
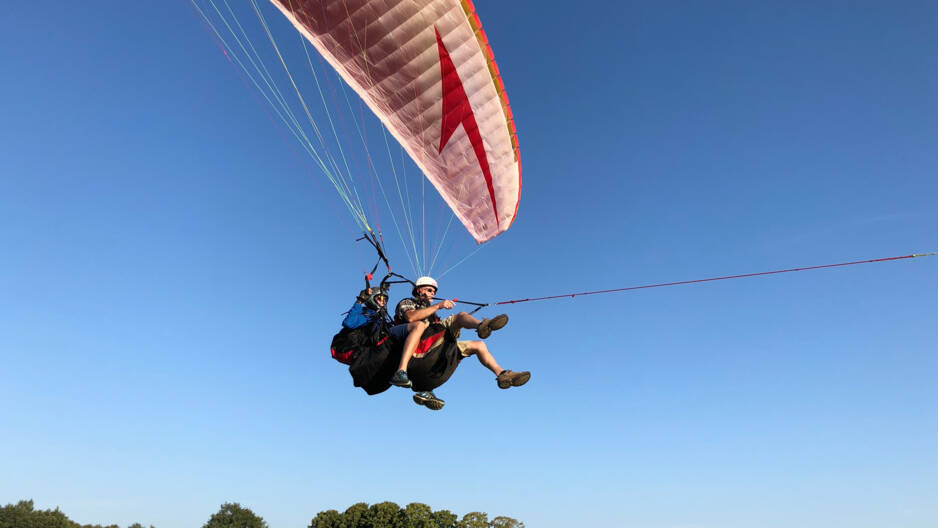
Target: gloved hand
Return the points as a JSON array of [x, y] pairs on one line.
[[363, 296]]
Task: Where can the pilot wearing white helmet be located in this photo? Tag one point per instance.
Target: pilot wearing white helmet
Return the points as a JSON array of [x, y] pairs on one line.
[[414, 314]]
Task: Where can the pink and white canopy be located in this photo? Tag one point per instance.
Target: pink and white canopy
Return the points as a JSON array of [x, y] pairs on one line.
[[425, 68]]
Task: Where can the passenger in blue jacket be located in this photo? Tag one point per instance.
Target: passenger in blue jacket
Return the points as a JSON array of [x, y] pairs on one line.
[[369, 306]]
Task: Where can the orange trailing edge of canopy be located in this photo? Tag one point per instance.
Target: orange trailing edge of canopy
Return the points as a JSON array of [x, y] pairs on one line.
[[425, 68]]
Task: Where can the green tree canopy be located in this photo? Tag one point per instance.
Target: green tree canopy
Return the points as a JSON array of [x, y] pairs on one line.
[[24, 514], [474, 520], [232, 515], [354, 516], [384, 515], [414, 515], [505, 522], [445, 519], [327, 519], [417, 515]]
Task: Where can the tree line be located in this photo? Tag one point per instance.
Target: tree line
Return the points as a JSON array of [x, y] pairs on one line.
[[24, 514]]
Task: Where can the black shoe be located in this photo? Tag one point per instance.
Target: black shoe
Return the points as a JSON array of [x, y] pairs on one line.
[[428, 400], [400, 379]]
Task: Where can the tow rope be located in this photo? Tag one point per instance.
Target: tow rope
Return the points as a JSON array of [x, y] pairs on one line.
[[711, 279], [376, 242]]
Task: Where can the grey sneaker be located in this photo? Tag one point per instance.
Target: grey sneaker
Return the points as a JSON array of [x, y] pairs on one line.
[[428, 400], [487, 326], [512, 379], [400, 379]]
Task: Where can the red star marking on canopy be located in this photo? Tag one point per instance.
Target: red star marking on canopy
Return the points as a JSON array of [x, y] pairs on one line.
[[457, 111]]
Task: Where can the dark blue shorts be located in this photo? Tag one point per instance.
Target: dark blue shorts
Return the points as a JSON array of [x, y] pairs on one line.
[[399, 331]]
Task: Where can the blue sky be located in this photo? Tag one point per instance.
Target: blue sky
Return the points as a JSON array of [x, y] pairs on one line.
[[171, 275]]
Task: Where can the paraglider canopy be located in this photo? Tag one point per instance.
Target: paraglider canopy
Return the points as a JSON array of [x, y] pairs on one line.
[[426, 70]]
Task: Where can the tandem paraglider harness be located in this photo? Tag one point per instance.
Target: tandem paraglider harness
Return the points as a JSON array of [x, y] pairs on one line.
[[373, 354]]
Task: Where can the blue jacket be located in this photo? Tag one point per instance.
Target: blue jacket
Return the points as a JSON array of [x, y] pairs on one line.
[[359, 315]]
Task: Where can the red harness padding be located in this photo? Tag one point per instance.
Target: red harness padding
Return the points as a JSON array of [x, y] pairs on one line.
[[435, 359], [372, 364], [349, 355]]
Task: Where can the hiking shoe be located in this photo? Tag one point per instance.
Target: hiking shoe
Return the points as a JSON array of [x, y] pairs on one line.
[[428, 400], [512, 379], [400, 379], [487, 326]]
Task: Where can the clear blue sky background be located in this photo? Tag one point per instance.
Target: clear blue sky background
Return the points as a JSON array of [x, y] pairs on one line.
[[171, 275]]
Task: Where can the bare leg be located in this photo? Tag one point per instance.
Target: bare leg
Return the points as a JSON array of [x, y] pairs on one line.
[[478, 349], [464, 320], [414, 331]]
